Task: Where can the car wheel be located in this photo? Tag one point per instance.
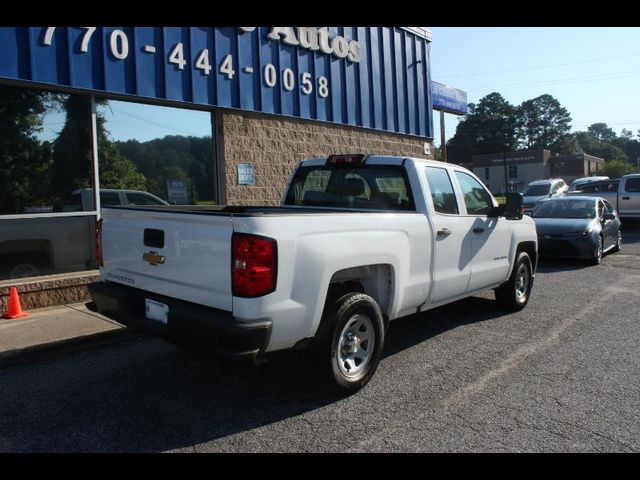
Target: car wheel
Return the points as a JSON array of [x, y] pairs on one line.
[[597, 253], [515, 293], [618, 245], [348, 346]]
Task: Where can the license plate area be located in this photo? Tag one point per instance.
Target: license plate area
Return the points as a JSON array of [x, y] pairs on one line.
[[156, 311]]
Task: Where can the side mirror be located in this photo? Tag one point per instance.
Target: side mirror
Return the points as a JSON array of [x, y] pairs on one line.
[[513, 206], [609, 216]]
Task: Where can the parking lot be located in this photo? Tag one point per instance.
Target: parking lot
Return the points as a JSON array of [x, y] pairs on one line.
[[562, 375]]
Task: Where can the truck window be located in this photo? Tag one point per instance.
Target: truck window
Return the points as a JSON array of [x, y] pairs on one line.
[[477, 200], [109, 198], [142, 199], [367, 187], [442, 193], [632, 185]]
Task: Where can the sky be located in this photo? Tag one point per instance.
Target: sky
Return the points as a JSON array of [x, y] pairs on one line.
[[593, 72]]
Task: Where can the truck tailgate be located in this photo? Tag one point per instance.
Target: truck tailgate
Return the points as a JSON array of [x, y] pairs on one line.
[[187, 256]]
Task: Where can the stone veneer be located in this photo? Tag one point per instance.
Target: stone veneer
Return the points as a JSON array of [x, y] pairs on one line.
[[49, 290], [275, 145]]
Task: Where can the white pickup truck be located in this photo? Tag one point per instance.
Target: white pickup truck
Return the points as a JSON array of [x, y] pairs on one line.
[[357, 242]]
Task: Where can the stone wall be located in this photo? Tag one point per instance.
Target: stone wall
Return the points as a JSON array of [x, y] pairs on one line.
[[275, 145], [49, 290]]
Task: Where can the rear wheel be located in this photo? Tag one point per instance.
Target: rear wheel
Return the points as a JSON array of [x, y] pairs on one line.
[[514, 294], [348, 345]]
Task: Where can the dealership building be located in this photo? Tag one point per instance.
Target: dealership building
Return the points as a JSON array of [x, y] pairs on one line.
[[93, 116], [515, 170]]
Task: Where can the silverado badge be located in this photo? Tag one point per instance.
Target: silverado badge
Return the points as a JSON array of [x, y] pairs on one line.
[[153, 258]]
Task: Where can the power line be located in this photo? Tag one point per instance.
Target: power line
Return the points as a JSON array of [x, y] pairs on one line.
[[561, 81], [580, 62]]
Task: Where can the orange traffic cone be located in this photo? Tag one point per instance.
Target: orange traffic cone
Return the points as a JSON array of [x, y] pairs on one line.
[[14, 310]]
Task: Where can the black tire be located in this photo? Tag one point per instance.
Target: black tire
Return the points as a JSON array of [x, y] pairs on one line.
[[597, 253], [514, 293], [332, 358]]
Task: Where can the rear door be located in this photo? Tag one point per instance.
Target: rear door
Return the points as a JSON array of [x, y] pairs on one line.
[[490, 236], [629, 194], [452, 251], [179, 254]]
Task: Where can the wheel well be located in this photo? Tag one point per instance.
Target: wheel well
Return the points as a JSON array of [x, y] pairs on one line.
[[530, 249], [373, 280]]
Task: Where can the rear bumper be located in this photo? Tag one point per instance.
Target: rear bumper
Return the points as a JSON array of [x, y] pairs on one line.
[[202, 328]]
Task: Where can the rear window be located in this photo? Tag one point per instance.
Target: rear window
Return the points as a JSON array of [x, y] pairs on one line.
[[366, 187]]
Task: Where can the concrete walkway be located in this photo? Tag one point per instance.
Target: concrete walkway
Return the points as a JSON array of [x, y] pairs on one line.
[[48, 329]]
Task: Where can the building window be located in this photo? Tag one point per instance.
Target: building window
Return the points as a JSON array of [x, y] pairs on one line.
[[486, 173], [513, 171], [147, 155], [152, 154], [46, 175]]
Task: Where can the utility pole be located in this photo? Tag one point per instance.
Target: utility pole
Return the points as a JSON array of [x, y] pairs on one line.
[[443, 143]]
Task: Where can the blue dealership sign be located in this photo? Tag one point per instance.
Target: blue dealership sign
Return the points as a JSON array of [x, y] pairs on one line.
[[449, 99], [373, 77]]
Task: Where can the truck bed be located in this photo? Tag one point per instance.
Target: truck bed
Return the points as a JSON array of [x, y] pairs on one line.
[[251, 211]]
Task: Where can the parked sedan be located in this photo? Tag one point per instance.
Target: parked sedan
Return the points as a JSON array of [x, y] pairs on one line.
[[578, 227]]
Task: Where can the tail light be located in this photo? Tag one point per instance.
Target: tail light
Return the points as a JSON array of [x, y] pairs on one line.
[[253, 266], [99, 243], [345, 159]]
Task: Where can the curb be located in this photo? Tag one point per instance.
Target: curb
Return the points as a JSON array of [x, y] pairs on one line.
[[69, 345]]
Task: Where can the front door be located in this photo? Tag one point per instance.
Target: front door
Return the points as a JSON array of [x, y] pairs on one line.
[[490, 236], [452, 244]]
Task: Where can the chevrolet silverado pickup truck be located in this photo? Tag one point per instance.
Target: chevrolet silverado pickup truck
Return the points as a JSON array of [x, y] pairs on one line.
[[357, 242]]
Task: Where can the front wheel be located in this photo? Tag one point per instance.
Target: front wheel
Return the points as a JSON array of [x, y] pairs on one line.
[[597, 253], [348, 345], [515, 293], [618, 244]]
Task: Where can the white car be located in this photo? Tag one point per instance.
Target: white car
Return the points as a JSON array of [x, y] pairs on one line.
[[358, 241], [540, 190]]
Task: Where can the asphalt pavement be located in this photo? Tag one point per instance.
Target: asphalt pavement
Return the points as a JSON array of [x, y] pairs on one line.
[[560, 376]]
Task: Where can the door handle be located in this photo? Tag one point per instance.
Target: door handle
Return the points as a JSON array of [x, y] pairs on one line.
[[625, 198], [443, 232], [478, 230]]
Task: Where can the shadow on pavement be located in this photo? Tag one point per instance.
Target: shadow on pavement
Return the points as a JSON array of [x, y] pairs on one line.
[[146, 395]]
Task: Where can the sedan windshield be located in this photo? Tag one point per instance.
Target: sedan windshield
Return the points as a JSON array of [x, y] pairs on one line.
[[566, 209], [536, 190]]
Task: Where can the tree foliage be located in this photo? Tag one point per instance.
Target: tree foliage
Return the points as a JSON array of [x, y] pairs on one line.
[[495, 126], [616, 168]]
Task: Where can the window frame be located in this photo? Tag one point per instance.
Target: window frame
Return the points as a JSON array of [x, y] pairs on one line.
[[461, 193], [453, 186]]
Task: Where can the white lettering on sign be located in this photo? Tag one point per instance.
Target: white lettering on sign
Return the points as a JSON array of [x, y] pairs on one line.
[[314, 39], [310, 38]]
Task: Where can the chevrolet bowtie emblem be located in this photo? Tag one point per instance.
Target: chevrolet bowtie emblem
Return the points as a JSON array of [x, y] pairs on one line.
[[153, 258]]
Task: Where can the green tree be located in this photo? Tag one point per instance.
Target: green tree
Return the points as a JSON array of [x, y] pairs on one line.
[[23, 160], [616, 168], [489, 127], [542, 122], [601, 132], [590, 144]]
